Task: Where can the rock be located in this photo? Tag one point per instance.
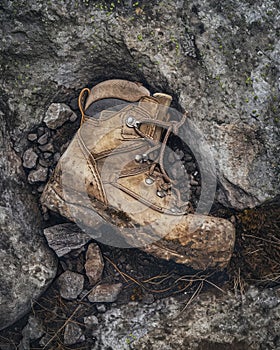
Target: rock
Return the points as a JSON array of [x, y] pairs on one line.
[[101, 308], [90, 321], [38, 175], [47, 155], [33, 330], [43, 139], [211, 321], [32, 137], [64, 238], [27, 264], [57, 114], [47, 148], [94, 263], [105, 293], [73, 117], [29, 159], [70, 284], [73, 334], [40, 131]]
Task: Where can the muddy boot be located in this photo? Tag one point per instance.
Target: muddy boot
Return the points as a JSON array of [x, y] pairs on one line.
[[113, 173]]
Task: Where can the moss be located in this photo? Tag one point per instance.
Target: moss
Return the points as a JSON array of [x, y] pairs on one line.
[[139, 37]]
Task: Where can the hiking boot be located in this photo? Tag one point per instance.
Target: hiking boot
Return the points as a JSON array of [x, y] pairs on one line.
[[113, 173]]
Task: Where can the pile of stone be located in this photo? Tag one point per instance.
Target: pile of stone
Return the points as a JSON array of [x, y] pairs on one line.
[[83, 282], [47, 143]]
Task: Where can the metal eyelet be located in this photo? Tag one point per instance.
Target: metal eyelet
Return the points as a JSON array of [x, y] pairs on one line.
[[161, 194], [138, 158], [131, 122], [149, 181]]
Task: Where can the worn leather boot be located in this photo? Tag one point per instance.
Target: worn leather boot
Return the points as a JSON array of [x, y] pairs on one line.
[[113, 172]]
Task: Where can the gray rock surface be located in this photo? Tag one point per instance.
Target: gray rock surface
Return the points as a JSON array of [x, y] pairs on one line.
[[27, 264], [223, 322], [64, 238], [105, 293], [219, 60], [57, 114], [70, 284]]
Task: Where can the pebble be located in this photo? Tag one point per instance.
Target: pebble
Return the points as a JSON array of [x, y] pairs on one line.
[[43, 139], [90, 321], [40, 131], [57, 114], [105, 293], [148, 298], [56, 157], [33, 330], [47, 155], [73, 117], [40, 189], [101, 308], [32, 137], [47, 147], [38, 175], [64, 238], [73, 334], [70, 284], [188, 158], [29, 159], [94, 263], [45, 163]]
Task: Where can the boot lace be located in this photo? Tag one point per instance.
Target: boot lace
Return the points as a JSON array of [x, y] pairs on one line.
[[157, 170]]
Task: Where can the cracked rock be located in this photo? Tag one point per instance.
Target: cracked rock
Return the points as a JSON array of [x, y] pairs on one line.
[[57, 114], [105, 293], [64, 238], [70, 284]]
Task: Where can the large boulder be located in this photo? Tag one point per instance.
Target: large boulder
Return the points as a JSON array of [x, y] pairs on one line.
[[27, 264], [219, 60]]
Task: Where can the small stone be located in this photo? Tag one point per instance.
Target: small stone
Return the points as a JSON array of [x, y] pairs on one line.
[[56, 157], [29, 159], [90, 321], [64, 238], [38, 175], [101, 308], [148, 298], [32, 137], [47, 155], [105, 293], [70, 284], [57, 114], [47, 147], [94, 263], [64, 147], [33, 330], [40, 189], [45, 162], [73, 117], [73, 334], [188, 158], [40, 131], [43, 139]]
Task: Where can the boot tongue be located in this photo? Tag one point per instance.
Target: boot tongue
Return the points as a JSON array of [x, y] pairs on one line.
[[157, 107]]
